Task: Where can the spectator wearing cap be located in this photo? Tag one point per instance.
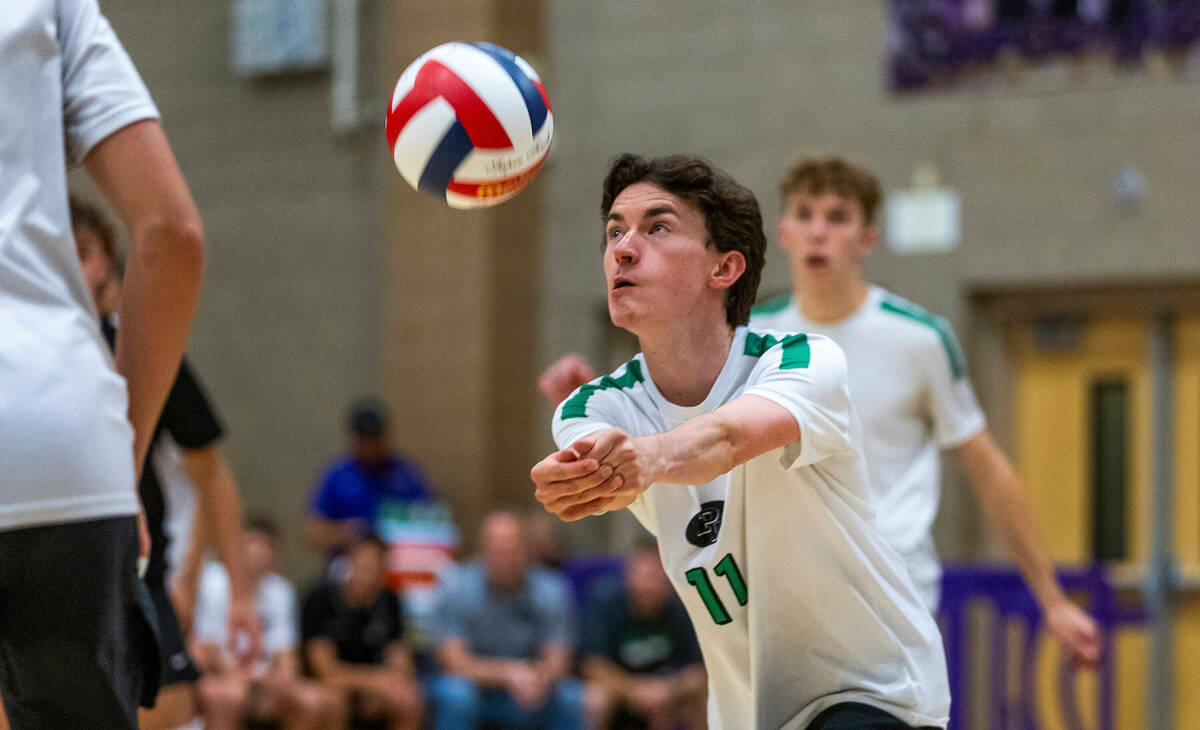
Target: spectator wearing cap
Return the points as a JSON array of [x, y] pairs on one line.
[[354, 491]]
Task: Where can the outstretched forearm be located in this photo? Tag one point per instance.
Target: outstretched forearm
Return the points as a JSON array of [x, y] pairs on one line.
[[999, 491], [708, 446]]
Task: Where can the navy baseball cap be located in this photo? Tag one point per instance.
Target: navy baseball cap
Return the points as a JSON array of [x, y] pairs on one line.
[[368, 418]]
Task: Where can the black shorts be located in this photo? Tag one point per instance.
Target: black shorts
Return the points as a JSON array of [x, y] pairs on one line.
[[76, 646], [175, 663], [857, 716]]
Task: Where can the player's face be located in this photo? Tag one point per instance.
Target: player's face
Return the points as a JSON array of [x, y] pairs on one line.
[[826, 237], [504, 550], [657, 263], [260, 553], [97, 269]]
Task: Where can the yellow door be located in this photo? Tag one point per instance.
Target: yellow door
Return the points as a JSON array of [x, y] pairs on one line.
[[1070, 395]]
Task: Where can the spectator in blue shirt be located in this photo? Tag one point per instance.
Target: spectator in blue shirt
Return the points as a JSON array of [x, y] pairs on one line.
[[357, 491], [506, 639]]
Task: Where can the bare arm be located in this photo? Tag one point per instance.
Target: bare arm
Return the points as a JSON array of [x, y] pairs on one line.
[[325, 535], [456, 659], [564, 376], [555, 662], [998, 489], [323, 659], [220, 507], [609, 469], [604, 672], [136, 171]]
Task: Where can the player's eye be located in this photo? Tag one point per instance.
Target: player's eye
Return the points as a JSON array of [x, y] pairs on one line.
[[658, 228], [614, 233], [804, 213], [837, 216]]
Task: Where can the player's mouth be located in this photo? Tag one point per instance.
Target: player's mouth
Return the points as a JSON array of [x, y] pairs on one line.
[[621, 283], [816, 261]]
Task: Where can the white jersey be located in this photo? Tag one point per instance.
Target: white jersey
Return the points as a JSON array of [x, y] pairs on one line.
[[909, 385], [66, 444], [274, 604], [797, 601]]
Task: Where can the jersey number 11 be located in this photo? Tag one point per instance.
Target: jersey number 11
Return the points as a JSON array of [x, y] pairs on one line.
[[727, 567]]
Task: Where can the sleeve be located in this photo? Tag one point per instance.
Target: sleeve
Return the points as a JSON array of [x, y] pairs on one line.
[[597, 406], [187, 415], [451, 604], [594, 406], [315, 615], [326, 504], [102, 90], [280, 625], [396, 614], [806, 374], [555, 603], [951, 403], [212, 605]]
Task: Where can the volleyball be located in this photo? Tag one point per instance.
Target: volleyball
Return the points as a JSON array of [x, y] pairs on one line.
[[470, 124]]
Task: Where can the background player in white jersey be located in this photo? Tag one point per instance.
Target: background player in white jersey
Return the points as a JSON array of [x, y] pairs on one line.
[[740, 451], [71, 429], [910, 386], [908, 380]]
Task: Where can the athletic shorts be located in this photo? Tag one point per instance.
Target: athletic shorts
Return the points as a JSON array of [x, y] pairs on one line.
[[77, 648], [857, 716], [176, 665]]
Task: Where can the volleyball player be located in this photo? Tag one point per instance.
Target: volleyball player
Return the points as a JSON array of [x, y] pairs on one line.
[[739, 450], [74, 648]]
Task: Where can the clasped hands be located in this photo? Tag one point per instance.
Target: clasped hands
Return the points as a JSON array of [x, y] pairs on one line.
[[603, 471]]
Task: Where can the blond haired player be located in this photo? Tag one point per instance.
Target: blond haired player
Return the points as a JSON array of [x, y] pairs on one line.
[[909, 384], [739, 450]]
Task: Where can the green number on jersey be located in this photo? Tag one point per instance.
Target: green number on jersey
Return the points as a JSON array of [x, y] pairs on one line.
[[727, 567]]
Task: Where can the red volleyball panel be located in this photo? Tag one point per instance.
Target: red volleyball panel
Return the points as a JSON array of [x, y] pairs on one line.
[[435, 79]]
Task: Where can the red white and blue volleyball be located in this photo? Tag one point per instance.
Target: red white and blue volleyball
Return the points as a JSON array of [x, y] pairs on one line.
[[470, 124]]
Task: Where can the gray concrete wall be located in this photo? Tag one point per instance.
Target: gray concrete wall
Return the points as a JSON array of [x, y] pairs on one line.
[[754, 86]]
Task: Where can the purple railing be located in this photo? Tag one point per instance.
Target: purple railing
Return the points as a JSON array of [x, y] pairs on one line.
[[1001, 589]]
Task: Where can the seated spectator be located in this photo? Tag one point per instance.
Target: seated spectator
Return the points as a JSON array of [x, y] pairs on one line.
[[374, 491], [505, 640], [270, 689], [640, 649], [351, 634], [356, 489]]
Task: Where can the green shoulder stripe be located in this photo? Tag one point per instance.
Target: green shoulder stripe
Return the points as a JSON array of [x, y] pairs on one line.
[[576, 405], [772, 305], [796, 352], [905, 308]]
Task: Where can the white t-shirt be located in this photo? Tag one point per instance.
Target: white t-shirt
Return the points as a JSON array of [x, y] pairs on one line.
[[66, 445], [797, 601], [909, 385], [274, 603]]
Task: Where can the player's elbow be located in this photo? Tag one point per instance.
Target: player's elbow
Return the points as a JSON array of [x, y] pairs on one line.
[[171, 241]]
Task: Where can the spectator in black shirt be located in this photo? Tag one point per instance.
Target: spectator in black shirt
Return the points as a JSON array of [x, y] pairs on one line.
[[187, 418], [351, 633], [640, 651]]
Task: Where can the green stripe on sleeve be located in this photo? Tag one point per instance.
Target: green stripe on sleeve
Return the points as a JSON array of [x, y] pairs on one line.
[[796, 352], [904, 308], [576, 405]]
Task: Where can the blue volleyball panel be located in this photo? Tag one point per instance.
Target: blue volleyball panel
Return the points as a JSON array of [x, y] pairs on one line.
[[450, 153], [533, 100]]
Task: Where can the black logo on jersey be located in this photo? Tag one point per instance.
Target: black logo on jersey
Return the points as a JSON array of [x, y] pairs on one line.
[[705, 525]]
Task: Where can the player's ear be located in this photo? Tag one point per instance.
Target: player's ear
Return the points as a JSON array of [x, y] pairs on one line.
[[870, 236], [730, 267]]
